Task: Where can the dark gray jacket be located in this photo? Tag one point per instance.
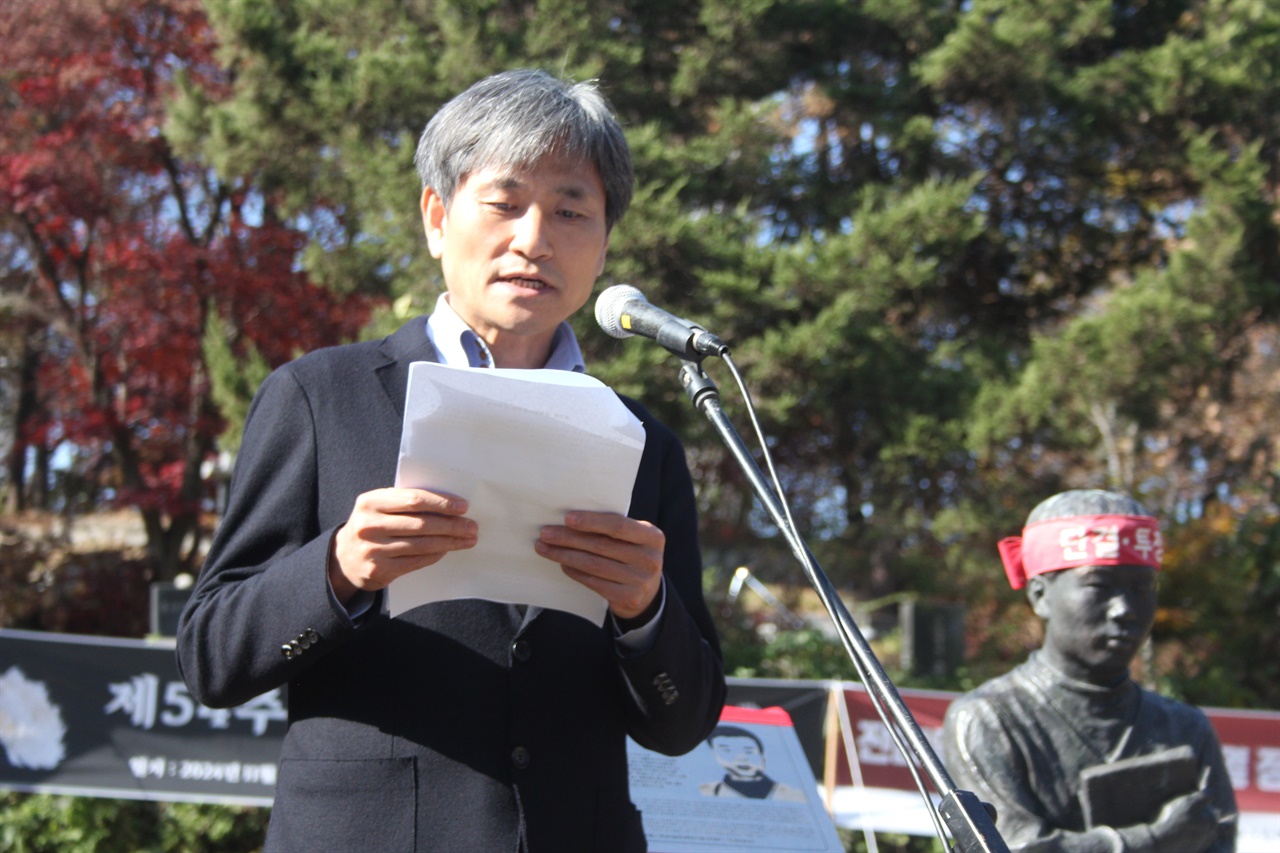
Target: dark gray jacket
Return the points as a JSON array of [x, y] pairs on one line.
[[460, 725]]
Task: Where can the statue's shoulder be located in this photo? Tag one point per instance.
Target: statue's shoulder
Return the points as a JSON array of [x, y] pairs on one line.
[[1175, 715], [997, 699], [1003, 688]]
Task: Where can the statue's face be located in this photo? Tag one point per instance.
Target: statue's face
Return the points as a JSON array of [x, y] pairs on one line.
[[1096, 617]]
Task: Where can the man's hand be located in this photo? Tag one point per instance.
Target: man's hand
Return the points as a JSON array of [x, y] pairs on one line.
[[618, 557], [1187, 824], [392, 532]]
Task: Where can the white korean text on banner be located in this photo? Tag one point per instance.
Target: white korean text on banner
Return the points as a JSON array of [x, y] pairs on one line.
[[97, 716]]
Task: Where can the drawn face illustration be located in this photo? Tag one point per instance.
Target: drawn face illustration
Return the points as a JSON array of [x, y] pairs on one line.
[[740, 756]]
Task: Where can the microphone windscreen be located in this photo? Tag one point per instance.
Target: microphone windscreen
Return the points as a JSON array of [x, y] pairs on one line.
[[611, 305]]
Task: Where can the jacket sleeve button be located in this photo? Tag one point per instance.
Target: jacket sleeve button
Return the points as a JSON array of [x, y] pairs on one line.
[[521, 651]]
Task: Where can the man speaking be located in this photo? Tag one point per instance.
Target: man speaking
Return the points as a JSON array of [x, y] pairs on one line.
[[464, 724]]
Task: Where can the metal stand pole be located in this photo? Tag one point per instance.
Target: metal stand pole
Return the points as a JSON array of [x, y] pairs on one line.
[[968, 821]]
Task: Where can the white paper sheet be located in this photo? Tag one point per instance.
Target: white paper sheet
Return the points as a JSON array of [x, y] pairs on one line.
[[523, 447]]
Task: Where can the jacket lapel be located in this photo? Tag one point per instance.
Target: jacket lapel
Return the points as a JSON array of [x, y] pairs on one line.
[[407, 345]]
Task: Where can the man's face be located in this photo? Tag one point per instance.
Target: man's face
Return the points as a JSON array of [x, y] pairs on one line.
[[1096, 617], [738, 755], [521, 251]]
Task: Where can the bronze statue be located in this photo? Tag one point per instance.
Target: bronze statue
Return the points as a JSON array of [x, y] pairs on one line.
[[1073, 754]]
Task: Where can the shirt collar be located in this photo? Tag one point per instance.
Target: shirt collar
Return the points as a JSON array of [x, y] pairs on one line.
[[458, 346]]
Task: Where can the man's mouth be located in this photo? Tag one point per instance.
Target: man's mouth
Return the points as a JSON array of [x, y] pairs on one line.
[[527, 283]]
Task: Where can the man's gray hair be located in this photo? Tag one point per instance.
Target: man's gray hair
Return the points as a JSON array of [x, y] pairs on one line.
[[517, 119]]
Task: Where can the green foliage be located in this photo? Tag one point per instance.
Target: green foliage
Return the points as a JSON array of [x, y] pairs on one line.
[[40, 823], [234, 380], [964, 256], [803, 654], [856, 842], [1222, 571]]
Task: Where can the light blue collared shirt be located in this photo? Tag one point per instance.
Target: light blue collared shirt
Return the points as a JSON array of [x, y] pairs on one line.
[[458, 346]]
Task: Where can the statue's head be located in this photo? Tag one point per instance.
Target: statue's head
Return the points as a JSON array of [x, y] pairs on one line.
[[1088, 560]]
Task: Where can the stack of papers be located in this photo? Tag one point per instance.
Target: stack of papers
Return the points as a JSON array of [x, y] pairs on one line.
[[523, 447]]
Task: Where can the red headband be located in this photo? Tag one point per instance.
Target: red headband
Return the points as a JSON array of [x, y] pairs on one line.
[[1081, 540]]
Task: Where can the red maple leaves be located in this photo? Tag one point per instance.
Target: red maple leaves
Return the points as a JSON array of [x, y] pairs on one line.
[[120, 249]]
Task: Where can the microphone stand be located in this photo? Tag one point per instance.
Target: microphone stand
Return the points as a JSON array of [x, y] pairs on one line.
[[967, 819]]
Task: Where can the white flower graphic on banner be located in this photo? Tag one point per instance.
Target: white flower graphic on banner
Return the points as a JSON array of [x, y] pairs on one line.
[[31, 728]]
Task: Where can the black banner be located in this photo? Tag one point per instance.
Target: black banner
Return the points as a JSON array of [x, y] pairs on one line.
[[97, 716]]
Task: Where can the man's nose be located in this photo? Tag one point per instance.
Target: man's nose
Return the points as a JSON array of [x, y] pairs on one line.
[[1121, 609], [530, 237]]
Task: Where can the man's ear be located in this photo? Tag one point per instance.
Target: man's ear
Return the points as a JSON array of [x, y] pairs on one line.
[[604, 254], [1037, 589], [433, 221]]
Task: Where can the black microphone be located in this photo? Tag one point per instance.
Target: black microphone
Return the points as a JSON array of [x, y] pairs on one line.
[[622, 311]]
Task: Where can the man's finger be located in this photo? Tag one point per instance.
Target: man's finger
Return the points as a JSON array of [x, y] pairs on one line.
[[402, 500]]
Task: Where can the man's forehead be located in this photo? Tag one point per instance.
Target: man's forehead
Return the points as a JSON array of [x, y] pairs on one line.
[[1109, 572]]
